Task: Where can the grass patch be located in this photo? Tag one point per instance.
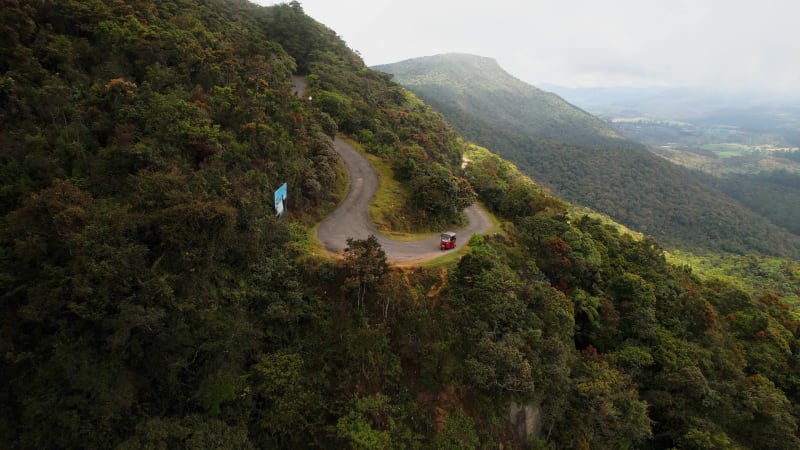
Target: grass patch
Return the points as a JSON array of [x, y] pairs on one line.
[[316, 248], [449, 258], [727, 150], [343, 187], [385, 211], [407, 236], [497, 226], [576, 211]]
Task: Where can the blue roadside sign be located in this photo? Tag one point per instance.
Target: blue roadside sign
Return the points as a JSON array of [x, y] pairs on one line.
[[280, 200]]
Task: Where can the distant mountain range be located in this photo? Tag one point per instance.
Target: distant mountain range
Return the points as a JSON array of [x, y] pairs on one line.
[[663, 101], [584, 159], [780, 118]]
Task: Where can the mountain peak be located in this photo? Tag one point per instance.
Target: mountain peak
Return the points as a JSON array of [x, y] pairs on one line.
[[463, 83], [459, 58], [456, 69]]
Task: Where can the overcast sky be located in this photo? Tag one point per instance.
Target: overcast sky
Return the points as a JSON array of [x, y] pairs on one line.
[[735, 45]]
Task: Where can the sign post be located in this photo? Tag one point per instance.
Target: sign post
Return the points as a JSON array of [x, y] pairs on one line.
[[280, 200]]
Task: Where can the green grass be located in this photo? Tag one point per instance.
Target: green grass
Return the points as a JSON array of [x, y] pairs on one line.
[[389, 198], [405, 236], [449, 258], [385, 211], [579, 211]]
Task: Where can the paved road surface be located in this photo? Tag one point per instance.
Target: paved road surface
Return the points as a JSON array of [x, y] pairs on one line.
[[351, 218]]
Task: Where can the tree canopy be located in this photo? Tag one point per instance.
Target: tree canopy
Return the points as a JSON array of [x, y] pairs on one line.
[[151, 298]]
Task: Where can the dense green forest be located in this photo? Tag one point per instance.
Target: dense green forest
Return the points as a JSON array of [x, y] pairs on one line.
[[748, 166], [585, 162], [151, 298], [775, 195]]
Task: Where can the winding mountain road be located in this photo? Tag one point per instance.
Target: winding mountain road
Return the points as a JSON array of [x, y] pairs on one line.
[[351, 218]]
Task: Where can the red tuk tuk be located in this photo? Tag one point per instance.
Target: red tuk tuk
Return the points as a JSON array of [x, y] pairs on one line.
[[447, 240]]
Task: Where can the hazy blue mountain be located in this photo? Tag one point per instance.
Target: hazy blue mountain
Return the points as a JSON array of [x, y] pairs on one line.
[[750, 113], [662, 101]]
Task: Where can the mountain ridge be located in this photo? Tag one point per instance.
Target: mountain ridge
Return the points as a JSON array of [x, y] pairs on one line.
[[575, 154], [471, 73]]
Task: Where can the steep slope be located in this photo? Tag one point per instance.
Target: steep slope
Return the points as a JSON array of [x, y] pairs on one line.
[[581, 159], [747, 143], [463, 84]]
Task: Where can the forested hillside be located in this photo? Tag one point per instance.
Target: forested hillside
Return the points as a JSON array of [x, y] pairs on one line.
[[766, 182], [587, 163], [774, 194], [462, 84], [151, 298]]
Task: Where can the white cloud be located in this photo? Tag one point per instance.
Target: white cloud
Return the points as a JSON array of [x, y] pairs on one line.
[[734, 45]]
